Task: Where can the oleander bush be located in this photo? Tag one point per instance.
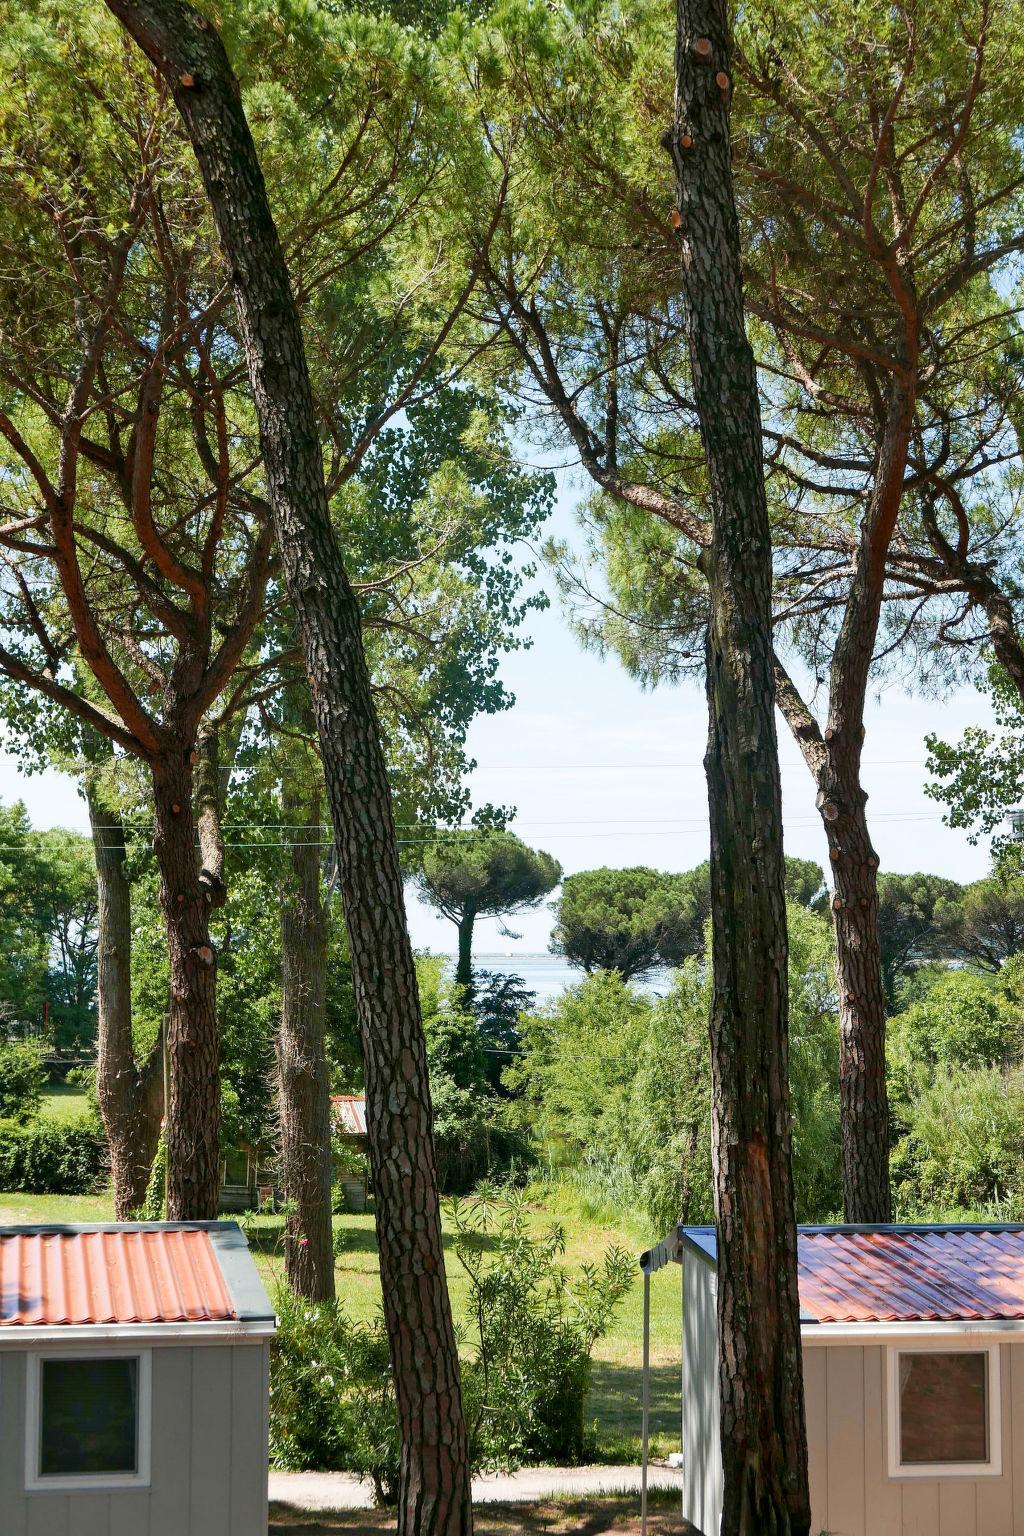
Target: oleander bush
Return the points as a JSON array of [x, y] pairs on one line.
[[332, 1399], [535, 1324]]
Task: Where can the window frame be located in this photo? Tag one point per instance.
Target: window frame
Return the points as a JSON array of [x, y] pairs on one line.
[[993, 1467], [72, 1482]]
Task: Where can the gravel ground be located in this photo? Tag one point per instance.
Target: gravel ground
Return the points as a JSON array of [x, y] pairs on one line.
[[313, 1491]]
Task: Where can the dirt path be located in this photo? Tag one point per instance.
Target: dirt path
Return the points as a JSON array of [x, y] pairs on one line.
[[312, 1491]]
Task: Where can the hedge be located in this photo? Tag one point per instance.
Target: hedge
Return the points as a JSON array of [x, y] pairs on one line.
[[50, 1157]]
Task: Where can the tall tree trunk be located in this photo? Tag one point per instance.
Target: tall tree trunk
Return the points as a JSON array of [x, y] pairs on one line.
[[834, 759], [764, 1440], [835, 767], [464, 966], [193, 1110], [434, 1480], [304, 1105], [130, 1093]]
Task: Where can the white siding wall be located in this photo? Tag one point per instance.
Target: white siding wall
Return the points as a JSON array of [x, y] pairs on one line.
[[702, 1458], [209, 1453]]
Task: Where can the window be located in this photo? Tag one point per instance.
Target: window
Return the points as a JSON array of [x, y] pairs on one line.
[[87, 1420], [944, 1412]]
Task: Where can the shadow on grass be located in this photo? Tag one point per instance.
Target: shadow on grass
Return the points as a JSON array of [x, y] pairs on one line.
[[599, 1515], [266, 1235], [615, 1402]]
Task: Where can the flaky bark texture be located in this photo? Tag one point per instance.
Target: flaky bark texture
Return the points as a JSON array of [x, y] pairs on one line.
[[130, 1093], [209, 799], [434, 1482], [303, 1095], [764, 1441], [193, 1110]]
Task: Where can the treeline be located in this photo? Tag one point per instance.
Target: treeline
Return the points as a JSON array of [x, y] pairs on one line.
[[609, 1086], [632, 920], [613, 1087]]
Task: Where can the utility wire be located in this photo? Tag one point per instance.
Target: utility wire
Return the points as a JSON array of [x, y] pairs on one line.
[[663, 828]]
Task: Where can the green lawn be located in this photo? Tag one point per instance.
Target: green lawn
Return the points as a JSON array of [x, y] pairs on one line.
[[63, 1101], [615, 1395]]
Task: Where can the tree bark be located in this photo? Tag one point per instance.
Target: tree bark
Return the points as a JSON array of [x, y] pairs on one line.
[[434, 1480], [130, 1093], [464, 967], [193, 1110], [209, 799], [834, 759], [860, 981], [764, 1440], [304, 1105]]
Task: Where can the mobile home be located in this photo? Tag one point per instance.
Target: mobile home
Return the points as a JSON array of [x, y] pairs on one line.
[[133, 1381], [913, 1352]]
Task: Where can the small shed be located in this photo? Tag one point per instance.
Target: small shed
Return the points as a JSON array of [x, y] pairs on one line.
[[134, 1365], [348, 1117], [348, 1112], [913, 1357]]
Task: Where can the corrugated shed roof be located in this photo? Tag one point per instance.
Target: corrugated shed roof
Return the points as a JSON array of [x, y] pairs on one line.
[[349, 1113], [903, 1274], [112, 1275]]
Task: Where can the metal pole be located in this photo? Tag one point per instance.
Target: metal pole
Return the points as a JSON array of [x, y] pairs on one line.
[[166, 1054], [646, 1402]]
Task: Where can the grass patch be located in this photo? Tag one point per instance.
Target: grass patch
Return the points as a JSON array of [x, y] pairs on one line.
[[615, 1392], [64, 1101], [53, 1210]]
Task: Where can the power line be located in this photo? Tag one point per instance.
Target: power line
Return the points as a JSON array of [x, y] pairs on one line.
[[661, 830], [139, 827], [673, 826], [795, 762]]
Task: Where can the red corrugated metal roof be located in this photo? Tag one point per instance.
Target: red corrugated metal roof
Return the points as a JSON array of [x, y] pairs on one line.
[[911, 1275], [115, 1276], [349, 1113]]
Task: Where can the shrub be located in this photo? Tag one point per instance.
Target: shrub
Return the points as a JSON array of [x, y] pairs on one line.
[[619, 1086], [964, 1144], [473, 1135], [535, 1328], [578, 1064], [51, 1157], [22, 1080], [332, 1399], [663, 1134], [965, 1021]]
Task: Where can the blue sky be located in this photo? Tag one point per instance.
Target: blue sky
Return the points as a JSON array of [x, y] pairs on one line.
[[604, 773]]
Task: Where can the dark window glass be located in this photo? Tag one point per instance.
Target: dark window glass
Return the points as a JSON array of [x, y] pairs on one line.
[[943, 1408], [88, 1417]]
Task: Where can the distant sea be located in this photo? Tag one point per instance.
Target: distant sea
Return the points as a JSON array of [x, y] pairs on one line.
[[547, 975]]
